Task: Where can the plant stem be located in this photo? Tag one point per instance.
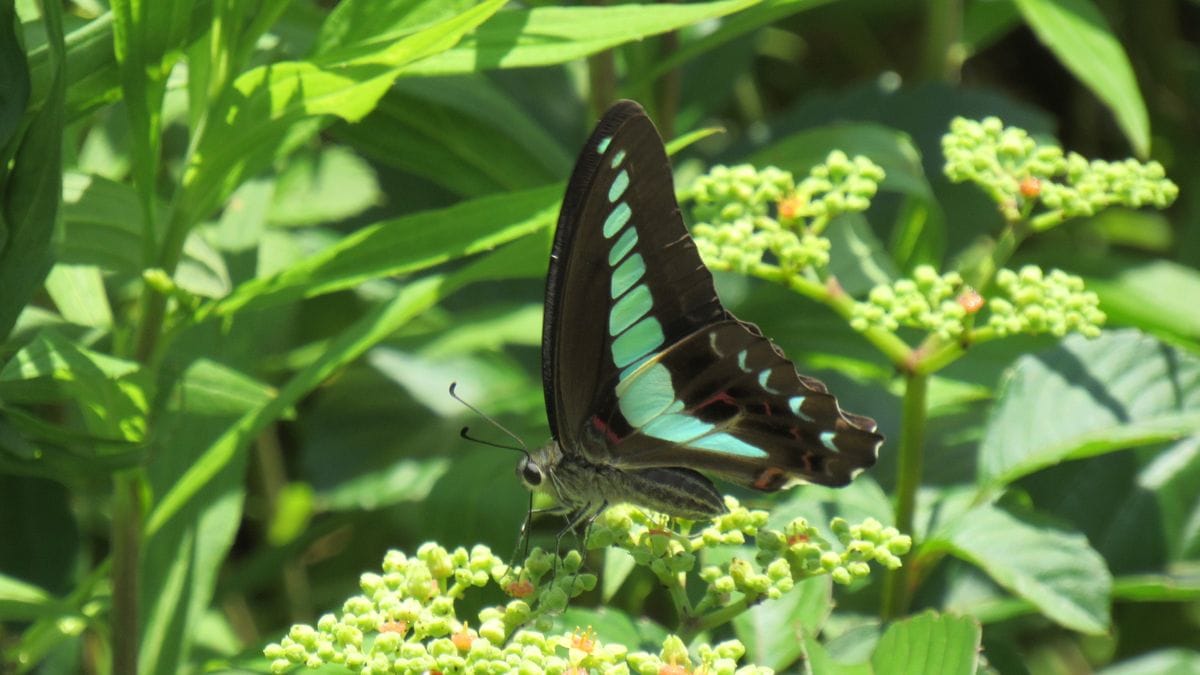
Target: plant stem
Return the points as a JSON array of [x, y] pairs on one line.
[[724, 615], [830, 293], [908, 480], [127, 545]]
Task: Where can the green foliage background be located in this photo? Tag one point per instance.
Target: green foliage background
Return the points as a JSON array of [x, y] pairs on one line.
[[245, 247]]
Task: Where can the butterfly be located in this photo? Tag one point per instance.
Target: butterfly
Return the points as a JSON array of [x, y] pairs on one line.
[[648, 379]]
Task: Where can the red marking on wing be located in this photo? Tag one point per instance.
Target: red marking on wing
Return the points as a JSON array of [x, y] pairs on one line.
[[769, 479], [599, 425]]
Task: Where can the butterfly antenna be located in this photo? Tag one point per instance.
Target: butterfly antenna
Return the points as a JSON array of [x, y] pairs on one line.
[[523, 448]]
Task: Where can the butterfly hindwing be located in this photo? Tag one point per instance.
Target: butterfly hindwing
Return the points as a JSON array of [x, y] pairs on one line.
[[642, 365], [739, 409]]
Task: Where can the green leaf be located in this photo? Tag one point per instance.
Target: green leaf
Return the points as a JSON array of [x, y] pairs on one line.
[[274, 108], [857, 257], [32, 187], [1055, 570], [1181, 587], [402, 246], [1154, 295], [14, 82], [408, 480], [148, 39], [102, 223], [326, 186], [931, 644], [78, 292], [543, 36], [819, 660], [612, 626], [745, 21], [108, 392], [21, 601], [891, 149], [618, 564], [773, 631], [1081, 39], [461, 133], [1177, 661], [180, 562], [1088, 397]]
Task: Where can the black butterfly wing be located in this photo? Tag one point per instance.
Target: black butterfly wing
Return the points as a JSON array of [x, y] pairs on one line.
[[620, 252], [643, 367]]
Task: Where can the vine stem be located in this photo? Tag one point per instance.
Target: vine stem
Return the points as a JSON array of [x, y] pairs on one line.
[[908, 480]]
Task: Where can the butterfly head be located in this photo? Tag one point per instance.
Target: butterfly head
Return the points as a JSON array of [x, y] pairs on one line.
[[534, 468]]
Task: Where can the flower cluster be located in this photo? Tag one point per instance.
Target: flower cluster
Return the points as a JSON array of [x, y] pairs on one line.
[[938, 303], [1027, 302], [406, 620], [742, 213], [1035, 303], [1019, 173], [784, 557]]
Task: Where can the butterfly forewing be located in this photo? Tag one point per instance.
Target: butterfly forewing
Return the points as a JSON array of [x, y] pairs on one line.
[[625, 279], [643, 366]]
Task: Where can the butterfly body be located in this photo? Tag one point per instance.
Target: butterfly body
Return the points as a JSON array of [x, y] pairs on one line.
[[648, 378]]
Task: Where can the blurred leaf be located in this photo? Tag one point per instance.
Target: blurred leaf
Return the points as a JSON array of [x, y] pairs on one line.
[[326, 186], [461, 133], [403, 246], [1052, 568], [181, 560], [22, 601], [1146, 230], [31, 509], [1157, 588], [202, 271], [985, 23], [618, 563], [1156, 295], [773, 631], [1080, 37], [102, 224], [819, 660], [543, 36], [242, 222], [274, 108], [891, 149], [14, 82], [78, 292], [919, 235], [1175, 661], [293, 510], [408, 480], [1088, 397], [930, 644], [148, 39], [106, 390], [32, 182], [745, 21], [491, 329], [857, 257], [612, 626]]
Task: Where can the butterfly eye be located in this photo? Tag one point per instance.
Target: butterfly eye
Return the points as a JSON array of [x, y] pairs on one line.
[[529, 472]]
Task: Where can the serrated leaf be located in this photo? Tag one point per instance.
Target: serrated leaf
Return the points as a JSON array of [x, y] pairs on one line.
[[1054, 569], [1081, 39], [931, 644], [1088, 397]]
